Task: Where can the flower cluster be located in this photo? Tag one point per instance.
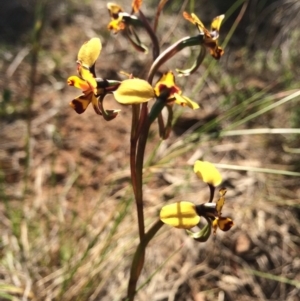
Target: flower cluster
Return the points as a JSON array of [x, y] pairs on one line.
[[134, 90], [165, 93], [128, 92]]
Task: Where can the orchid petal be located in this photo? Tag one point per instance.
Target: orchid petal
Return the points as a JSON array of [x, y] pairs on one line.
[[215, 26], [185, 101], [208, 173], [225, 223], [114, 10], [80, 103], [221, 200], [89, 52], [202, 235], [166, 84], [181, 215], [136, 4], [79, 83], [88, 77], [134, 91]]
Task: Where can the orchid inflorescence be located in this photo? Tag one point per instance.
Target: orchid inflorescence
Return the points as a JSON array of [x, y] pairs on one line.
[[133, 90], [138, 93]]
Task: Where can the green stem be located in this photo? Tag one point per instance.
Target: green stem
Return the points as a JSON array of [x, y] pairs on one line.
[[138, 259], [171, 51], [143, 131], [161, 126]]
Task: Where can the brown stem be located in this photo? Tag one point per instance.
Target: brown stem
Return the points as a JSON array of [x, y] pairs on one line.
[[133, 144], [212, 192], [161, 125], [143, 129], [160, 7], [139, 135], [162, 58], [152, 35]]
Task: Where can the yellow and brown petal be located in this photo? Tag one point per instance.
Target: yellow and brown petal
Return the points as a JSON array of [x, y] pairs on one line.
[[87, 83], [208, 173], [78, 83], [114, 10], [89, 52], [86, 75], [134, 91], [223, 223], [167, 87], [181, 215], [87, 56], [80, 103], [136, 4], [116, 25], [185, 101], [166, 84], [221, 201], [210, 37]]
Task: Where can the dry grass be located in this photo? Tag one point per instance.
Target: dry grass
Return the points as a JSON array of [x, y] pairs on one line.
[[71, 234]]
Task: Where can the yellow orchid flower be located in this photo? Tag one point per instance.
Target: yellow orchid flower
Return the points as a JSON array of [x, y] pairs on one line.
[[118, 16], [117, 23], [208, 173], [122, 21], [87, 56], [166, 85], [186, 215], [210, 37], [181, 215]]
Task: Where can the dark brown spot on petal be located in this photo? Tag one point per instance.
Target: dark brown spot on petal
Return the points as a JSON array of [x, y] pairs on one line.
[[77, 106], [70, 82], [115, 16], [225, 223]]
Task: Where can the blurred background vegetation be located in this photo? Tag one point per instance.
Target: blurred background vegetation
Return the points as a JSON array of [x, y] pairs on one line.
[[67, 222]]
